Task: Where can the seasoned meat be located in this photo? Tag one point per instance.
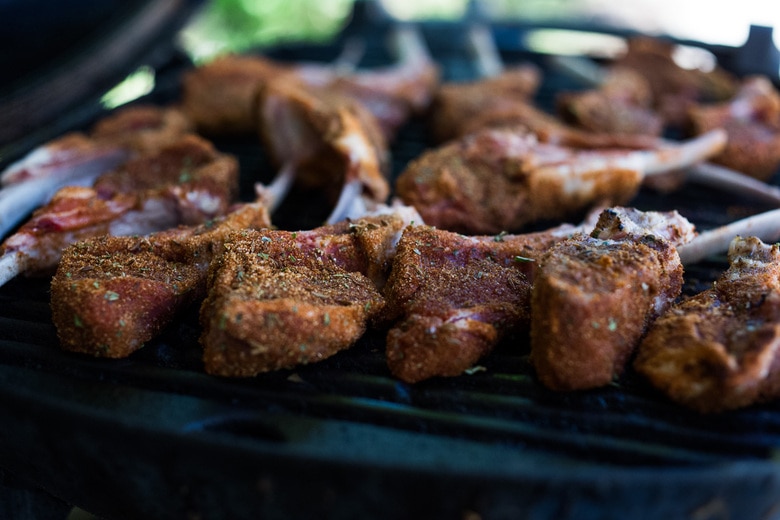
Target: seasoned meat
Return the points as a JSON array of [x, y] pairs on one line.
[[325, 138], [274, 303], [752, 121], [454, 297], [621, 105], [112, 294], [674, 88], [498, 180], [455, 104], [220, 96], [717, 350], [187, 182], [128, 132], [595, 295]]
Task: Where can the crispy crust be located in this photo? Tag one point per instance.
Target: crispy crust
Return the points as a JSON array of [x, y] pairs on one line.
[[592, 301], [269, 308], [718, 350], [456, 297]]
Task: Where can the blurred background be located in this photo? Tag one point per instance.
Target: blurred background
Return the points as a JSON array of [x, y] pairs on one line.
[[54, 55], [230, 25]]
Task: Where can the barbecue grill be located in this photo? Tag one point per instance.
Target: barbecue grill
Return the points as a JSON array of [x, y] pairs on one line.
[[153, 436]]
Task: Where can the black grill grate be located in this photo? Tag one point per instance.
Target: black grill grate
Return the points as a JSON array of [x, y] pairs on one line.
[[154, 436]]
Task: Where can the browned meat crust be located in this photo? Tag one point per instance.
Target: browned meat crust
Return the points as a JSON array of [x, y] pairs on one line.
[[186, 171], [112, 294], [328, 138], [752, 121], [502, 180], [456, 297], [674, 88], [621, 105], [187, 182], [144, 129], [273, 304], [456, 104], [718, 350], [593, 298], [219, 97]]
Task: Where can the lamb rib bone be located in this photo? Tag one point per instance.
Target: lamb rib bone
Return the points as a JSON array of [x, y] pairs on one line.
[[187, 182], [504, 179], [78, 159], [704, 173]]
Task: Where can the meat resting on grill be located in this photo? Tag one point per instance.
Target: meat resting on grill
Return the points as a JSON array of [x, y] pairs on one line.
[[187, 182], [323, 140], [112, 294], [456, 103], [277, 299], [752, 121], [454, 297], [503, 179], [595, 295], [718, 350], [622, 104], [220, 96]]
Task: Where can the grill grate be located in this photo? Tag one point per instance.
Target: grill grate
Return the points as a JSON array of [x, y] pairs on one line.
[[154, 436]]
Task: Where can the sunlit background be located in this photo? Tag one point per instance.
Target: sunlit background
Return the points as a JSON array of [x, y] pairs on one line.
[[235, 25], [224, 26]]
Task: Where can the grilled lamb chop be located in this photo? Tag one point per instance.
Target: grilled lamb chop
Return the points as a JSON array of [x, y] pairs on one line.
[[220, 96], [752, 121], [454, 105], [748, 119], [595, 295], [455, 297], [187, 182], [112, 294], [622, 104], [717, 350], [674, 88], [325, 141], [277, 299], [504, 179], [77, 158]]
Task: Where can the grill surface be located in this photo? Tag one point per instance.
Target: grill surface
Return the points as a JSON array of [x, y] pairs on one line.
[[153, 436]]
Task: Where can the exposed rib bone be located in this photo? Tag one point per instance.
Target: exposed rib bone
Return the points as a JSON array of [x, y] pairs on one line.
[[684, 154], [716, 176], [11, 265], [765, 226], [350, 196], [19, 199], [704, 173], [273, 194]]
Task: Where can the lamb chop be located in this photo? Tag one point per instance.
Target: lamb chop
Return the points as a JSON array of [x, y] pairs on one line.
[[95, 293], [456, 104], [78, 158], [187, 182], [279, 299], [453, 297], [586, 317], [752, 120], [595, 295], [112, 294], [674, 88], [325, 141], [717, 350], [504, 98], [622, 104], [220, 96], [504, 179]]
